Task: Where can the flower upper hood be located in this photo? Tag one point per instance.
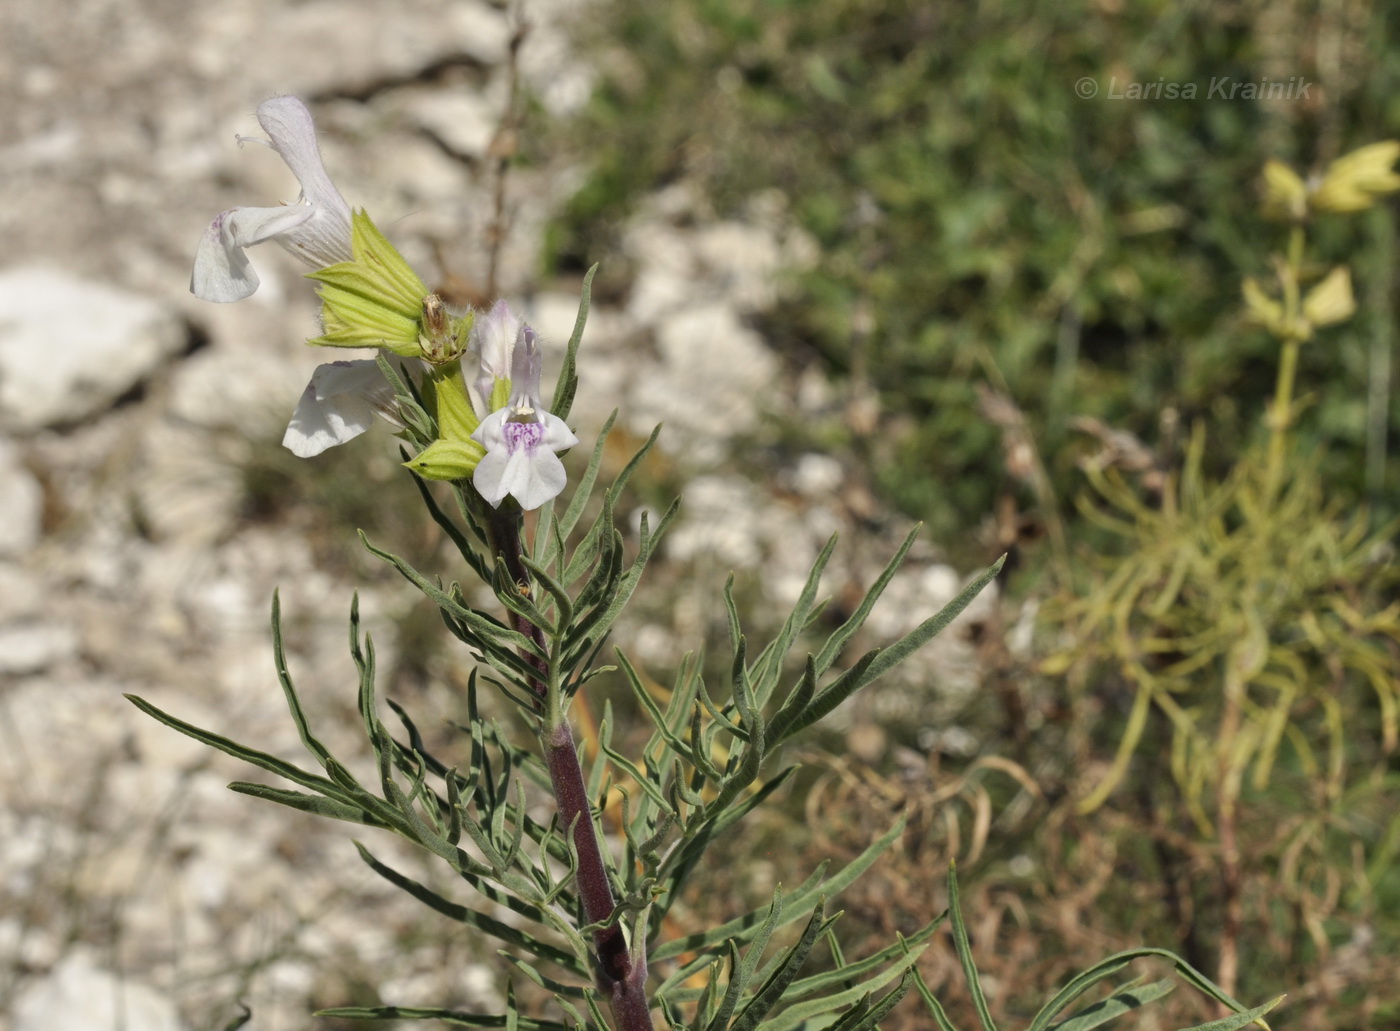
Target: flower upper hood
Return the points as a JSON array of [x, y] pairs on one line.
[[316, 228]]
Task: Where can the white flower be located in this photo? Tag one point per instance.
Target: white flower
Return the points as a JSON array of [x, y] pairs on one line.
[[521, 439], [316, 229], [338, 404]]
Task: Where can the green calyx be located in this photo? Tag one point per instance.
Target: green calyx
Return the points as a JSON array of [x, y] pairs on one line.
[[374, 300], [452, 407], [447, 460], [454, 455]]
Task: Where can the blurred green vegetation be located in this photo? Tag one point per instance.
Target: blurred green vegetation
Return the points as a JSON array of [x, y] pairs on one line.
[[1008, 261], [978, 218]]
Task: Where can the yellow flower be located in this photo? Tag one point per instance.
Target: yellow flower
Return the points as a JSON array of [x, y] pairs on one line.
[[1353, 182], [1331, 300], [1285, 193]]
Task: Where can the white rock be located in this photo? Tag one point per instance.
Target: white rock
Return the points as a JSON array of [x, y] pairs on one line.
[[79, 995], [464, 121], [711, 385], [815, 475], [21, 592], [745, 260], [720, 521], [33, 646], [666, 273], [324, 45], [30, 945], [70, 347], [21, 504]]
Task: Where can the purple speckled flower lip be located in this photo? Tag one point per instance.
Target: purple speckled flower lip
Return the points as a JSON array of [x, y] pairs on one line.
[[526, 435]]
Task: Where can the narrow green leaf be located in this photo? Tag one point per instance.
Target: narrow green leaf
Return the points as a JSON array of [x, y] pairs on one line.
[[512, 1011], [487, 925], [769, 666], [930, 628], [846, 972], [731, 611], [877, 664], [583, 490], [1238, 1020], [1117, 961], [776, 986], [615, 491], [1076, 987], [1122, 1001], [586, 552], [284, 678], [628, 582], [563, 400], [600, 1022], [795, 703], [272, 764], [663, 731], [317, 805], [644, 780], [847, 684], [487, 629], [940, 1015], [797, 902], [454, 532], [964, 948], [741, 970], [831, 650], [791, 1016], [865, 1017], [699, 833]]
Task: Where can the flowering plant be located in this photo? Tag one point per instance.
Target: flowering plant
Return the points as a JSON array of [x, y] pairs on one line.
[[583, 917]]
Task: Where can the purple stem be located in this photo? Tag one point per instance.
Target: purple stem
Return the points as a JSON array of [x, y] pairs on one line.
[[620, 974]]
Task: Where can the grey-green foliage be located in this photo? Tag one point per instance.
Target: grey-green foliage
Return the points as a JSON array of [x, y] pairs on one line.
[[706, 766], [474, 814]]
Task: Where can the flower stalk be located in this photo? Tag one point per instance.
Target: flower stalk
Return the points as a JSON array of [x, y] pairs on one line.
[[621, 970]]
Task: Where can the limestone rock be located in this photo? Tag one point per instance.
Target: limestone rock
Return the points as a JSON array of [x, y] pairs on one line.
[[70, 347], [21, 504], [79, 995]]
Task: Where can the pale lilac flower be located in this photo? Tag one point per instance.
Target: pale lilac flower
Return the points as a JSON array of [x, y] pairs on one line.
[[316, 228], [493, 340], [521, 439], [339, 404]]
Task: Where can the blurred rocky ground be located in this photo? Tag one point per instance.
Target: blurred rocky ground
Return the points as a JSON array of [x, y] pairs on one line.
[[136, 892]]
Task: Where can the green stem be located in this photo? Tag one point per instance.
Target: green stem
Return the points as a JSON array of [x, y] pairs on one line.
[[1281, 414], [1281, 418]]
